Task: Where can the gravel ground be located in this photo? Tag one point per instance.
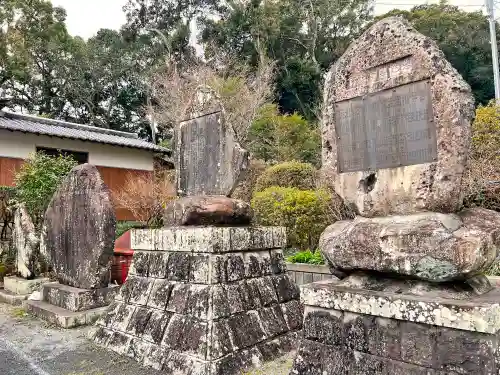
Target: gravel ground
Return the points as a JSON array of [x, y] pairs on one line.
[[29, 346]]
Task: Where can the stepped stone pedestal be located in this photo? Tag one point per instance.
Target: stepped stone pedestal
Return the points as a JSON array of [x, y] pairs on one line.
[[204, 301], [17, 289], [69, 307], [367, 325]]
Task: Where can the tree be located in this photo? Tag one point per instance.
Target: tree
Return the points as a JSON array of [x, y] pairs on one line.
[[304, 37], [464, 38], [36, 56]]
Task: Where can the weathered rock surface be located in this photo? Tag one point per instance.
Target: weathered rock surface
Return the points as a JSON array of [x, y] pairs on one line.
[[207, 210], [204, 301], [428, 246], [365, 325], [429, 154], [79, 230], [209, 159], [26, 241]]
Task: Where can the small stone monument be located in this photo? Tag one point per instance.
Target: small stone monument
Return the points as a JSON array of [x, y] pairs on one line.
[[206, 295], [411, 298], [77, 239], [26, 242]]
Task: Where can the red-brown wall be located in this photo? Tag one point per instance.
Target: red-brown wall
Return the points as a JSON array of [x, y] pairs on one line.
[[115, 178], [8, 169]]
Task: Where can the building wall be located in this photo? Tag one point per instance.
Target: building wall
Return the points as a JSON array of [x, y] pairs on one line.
[[116, 164], [8, 168], [20, 145]]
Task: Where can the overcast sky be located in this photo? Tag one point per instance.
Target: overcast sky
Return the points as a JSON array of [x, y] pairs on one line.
[[86, 17]]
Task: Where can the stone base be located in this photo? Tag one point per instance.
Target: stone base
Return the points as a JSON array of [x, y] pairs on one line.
[[61, 317], [398, 328], [76, 299], [204, 301], [11, 298], [20, 286]]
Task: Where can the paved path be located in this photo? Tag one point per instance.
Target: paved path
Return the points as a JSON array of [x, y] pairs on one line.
[[30, 347]]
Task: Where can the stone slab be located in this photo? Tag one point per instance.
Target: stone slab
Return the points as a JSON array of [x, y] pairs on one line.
[[77, 299], [61, 317], [375, 121], [11, 298], [78, 231], [18, 285], [209, 158], [209, 239], [26, 241], [419, 302]]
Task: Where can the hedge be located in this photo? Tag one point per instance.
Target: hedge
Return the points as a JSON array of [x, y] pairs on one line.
[[291, 174], [305, 213]]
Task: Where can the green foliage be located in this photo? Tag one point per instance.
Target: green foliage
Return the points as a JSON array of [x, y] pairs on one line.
[[124, 226], [307, 257], [305, 213], [278, 138], [463, 37], [291, 174], [38, 179]]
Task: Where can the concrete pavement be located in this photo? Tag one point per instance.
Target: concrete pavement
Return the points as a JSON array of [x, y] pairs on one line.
[[29, 346]]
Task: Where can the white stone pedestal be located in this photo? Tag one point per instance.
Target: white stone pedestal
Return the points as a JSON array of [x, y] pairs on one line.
[[16, 289]]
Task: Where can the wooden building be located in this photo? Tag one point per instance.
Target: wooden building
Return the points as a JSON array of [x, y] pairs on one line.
[[117, 155]]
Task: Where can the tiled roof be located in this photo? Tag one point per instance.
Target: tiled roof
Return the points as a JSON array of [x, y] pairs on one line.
[[55, 128]]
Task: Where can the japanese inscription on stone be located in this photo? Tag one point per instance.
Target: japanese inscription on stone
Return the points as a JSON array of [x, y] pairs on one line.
[[209, 157], [200, 143], [386, 129]]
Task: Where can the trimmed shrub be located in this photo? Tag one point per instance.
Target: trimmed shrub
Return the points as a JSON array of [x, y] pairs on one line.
[[307, 257], [481, 183], [305, 213], [38, 179], [291, 174]]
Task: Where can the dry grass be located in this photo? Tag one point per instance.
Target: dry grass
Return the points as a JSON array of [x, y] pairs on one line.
[[146, 197]]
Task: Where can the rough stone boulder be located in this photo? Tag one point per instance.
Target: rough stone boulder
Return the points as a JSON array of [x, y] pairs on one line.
[[207, 210], [429, 246], [396, 127], [78, 232], [26, 242]]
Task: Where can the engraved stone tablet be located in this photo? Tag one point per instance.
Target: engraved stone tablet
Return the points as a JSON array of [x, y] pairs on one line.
[[209, 158], [386, 129], [396, 124]]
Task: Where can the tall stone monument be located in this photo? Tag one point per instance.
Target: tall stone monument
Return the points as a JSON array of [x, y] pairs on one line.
[[411, 298], [207, 294], [77, 239], [27, 280]]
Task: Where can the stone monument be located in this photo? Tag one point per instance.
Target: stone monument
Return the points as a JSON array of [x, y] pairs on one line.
[[25, 240], [411, 298], [206, 295], [77, 239]]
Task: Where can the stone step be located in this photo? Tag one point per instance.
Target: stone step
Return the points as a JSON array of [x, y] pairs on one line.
[[11, 298], [62, 317]]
